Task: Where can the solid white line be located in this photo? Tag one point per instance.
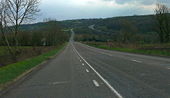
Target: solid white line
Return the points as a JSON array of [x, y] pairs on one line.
[[137, 61], [96, 83], [87, 70], [104, 80]]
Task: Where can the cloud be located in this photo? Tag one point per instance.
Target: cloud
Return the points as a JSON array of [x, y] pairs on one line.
[[144, 2], [76, 9]]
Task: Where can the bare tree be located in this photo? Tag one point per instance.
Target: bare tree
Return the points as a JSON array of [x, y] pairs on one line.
[[3, 25], [14, 13], [162, 17], [20, 11]]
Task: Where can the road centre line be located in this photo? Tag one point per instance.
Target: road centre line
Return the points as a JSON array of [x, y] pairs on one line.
[[104, 80], [96, 83], [87, 71]]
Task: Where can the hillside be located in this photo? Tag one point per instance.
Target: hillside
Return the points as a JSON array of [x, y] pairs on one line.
[[144, 23], [143, 27]]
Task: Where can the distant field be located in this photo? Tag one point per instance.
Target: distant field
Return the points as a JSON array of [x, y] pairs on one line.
[[148, 49]]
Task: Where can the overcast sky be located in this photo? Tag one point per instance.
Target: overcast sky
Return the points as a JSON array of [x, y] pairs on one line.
[[80, 9]]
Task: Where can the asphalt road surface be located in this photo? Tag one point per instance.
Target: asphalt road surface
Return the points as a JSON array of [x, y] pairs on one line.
[[81, 71]]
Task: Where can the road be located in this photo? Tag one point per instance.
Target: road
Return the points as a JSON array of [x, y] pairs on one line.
[[81, 71]]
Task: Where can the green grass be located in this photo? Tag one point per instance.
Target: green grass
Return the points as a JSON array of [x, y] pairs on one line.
[[12, 71], [131, 50]]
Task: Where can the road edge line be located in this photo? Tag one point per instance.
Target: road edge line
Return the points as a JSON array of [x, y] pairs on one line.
[[104, 80]]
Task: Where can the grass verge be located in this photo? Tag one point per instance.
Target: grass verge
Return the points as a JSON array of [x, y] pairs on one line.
[[12, 71], [133, 50]]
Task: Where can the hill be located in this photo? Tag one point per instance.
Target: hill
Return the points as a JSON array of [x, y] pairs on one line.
[[144, 23], [144, 27]]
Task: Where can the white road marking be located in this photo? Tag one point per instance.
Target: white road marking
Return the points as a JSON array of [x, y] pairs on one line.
[[137, 61], [104, 80], [96, 83], [168, 67], [80, 60], [87, 70], [56, 83]]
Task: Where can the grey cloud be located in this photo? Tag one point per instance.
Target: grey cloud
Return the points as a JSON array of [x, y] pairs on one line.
[[107, 0], [145, 2], [64, 10], [123, 1]]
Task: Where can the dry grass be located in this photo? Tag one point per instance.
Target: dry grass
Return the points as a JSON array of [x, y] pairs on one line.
[[25, 53], [12, 71], [149, 49]]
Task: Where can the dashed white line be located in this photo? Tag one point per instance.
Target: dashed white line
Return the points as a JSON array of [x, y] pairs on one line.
[[87, 70], [96, 83], [83, 64], [80, 60], [137, 61], [168, 68], [104, 80]]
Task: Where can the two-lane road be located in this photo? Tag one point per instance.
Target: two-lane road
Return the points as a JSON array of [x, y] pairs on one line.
[[132, 75], [66, 76], [81, 71]]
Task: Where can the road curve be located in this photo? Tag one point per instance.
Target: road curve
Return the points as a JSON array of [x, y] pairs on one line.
[[81, 71], [66, 76]]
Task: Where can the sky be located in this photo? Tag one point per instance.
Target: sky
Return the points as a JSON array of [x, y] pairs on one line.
[[84, 9]]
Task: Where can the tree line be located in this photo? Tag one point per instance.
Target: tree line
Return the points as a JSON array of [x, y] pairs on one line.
[[132, 29], [15, 13], [163, 22]]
